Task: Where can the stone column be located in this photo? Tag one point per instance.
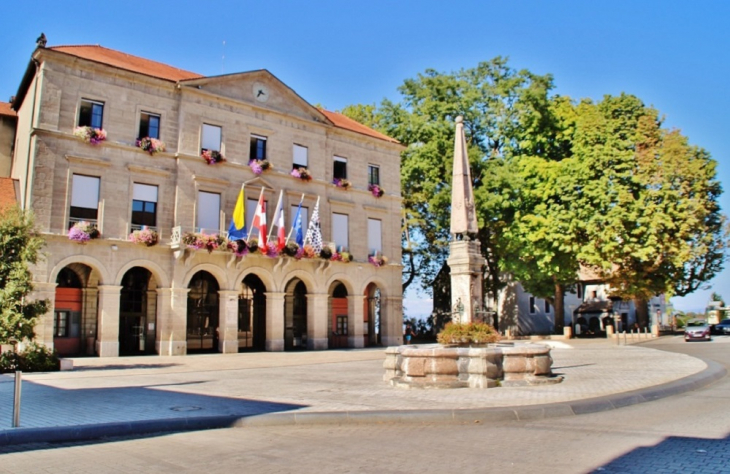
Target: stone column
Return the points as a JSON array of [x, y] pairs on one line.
[[275, 321], [89, 317], [465, 262], [172, 323], [150, 332], [391, 320], [355, 320], [228, 322], [44, 327], [107, 344], [317, 315]]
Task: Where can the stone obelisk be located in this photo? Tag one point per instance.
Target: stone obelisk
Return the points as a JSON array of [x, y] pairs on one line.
[[465, 258]]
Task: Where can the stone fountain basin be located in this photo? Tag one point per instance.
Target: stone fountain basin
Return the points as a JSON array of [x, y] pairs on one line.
[[492, 365]]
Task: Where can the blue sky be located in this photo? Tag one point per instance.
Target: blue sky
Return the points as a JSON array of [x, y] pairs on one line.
[[672, 54]]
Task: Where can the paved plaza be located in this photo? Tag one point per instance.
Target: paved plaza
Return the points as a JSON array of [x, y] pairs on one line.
[[108, 396]]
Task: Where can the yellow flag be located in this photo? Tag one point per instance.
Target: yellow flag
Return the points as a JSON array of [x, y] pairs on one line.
[[237, 228]]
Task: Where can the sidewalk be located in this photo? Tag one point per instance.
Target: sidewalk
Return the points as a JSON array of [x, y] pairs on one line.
[[134, 395]]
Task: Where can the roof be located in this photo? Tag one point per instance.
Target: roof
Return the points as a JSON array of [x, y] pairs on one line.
[[6, 110], [342, 121], [7, 192], [126, 61], [151, 68]]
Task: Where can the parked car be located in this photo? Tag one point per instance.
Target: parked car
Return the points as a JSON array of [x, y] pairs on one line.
[[697, 329], [723, 327]]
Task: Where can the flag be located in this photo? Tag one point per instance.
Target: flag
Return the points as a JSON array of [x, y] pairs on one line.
[[314, 232], [296, 226], [259, 220], [279, 223], [237, 229]]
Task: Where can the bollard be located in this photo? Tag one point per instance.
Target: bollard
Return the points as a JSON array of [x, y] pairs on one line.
[[624, 338], [16, 399]]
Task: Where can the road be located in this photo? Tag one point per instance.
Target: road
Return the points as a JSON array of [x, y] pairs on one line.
[[688, 433]]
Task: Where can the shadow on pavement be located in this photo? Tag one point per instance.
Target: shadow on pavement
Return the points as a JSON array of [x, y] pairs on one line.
[[123, 367], [675, 454]]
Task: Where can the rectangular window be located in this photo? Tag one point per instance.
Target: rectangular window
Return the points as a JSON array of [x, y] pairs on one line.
[[305, 219], [340, 169], [251, 205], [209, 208], [375, 236], [211, 137], [342, 325], [60, 324], [149, 125], [340, 230], [258, 147], [91, 113], [594, 294], [532, 305], [84, 199], [300, 157], [144, 206], [547, 306], [374, 174]]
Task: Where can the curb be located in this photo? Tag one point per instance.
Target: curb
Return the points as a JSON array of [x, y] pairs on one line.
[[712, 373]]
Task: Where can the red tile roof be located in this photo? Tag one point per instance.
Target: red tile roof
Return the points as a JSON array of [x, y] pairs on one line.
[[7, 192], [342, 121], [127, 61], [147, 67], [6, 110]]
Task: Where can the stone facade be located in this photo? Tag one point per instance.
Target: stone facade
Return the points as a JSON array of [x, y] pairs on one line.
[[193, 299]]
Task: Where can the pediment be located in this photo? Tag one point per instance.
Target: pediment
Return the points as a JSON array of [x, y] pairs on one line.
[[259, 182], [260, 89]]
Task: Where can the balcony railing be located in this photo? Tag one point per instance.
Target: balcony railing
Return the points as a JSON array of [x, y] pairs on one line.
[[74, 220]]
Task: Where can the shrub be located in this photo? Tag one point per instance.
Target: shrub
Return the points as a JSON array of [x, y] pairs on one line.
[[34, 358], [467, 333]]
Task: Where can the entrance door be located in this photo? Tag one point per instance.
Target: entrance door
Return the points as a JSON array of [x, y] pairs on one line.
[[295, 320], [133, 313], [203, 313], [252, 315]]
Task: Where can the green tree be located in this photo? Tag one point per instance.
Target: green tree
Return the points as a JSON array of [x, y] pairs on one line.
[[19, 246], [647, 202]]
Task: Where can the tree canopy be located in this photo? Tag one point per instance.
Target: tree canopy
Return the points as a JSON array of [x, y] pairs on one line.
[[558, 184], [19, 246]]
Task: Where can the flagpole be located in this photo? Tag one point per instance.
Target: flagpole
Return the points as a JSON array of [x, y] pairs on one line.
[[292, 224], [257, 206], [268, 237]]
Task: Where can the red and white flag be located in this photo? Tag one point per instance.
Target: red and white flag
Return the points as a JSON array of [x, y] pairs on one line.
[[279, 223], [259, 220]]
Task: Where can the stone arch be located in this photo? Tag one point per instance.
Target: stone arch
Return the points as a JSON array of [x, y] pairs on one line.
[[341, 278], [214, 270], [264, 275], [90, 262], [158, 273], [377, 281], [302, 275]]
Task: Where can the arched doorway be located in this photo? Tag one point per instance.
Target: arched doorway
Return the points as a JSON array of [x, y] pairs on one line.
[[295, 316], [372, 315], [67, 313], [338, 326], [136, 311], [203, 313], [252, 314]]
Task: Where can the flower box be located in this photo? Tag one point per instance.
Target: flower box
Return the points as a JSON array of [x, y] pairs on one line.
[[82, 232], [90, 134], [212, 157], [198, 241], [378, 260], [341, 183], [259, 166], [376, 190], [144, 236], [302, 173], [151, 145]]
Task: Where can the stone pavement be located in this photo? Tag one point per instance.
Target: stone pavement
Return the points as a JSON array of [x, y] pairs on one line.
[[135, 395]]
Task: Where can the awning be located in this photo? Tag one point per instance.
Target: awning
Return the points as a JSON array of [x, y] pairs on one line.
[[595, 307]]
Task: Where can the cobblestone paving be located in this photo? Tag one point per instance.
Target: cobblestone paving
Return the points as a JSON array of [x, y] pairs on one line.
[[145, 388]]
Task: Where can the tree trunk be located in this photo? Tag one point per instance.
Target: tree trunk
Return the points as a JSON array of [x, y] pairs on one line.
[[642, 312], [559, 305]]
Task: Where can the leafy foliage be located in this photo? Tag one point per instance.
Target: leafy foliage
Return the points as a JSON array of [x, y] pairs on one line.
[[467, 333], [19, 246], [33, 358]]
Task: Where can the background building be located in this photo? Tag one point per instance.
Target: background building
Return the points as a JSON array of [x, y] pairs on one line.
[[112, 296]]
